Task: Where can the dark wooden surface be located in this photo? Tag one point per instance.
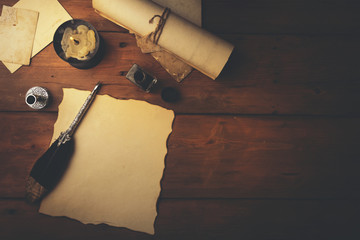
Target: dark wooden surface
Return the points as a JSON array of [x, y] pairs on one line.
[[270, 150]]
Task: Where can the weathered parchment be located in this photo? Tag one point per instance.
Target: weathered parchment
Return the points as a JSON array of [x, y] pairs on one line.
[[51, 16], [17, 32], [115, 172]]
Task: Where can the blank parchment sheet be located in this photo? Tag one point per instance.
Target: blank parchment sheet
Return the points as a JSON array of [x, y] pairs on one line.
[[115, 172]]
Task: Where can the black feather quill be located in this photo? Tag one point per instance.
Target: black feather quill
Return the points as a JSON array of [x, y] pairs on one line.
[[51, 166]]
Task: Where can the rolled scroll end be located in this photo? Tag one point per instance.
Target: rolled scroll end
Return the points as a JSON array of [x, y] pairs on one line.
[[34, 191]]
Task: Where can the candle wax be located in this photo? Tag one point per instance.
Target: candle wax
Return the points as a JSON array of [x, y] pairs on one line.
[[78, 43]]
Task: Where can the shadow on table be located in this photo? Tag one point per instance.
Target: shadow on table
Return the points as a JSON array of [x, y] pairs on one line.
[[234, 67]]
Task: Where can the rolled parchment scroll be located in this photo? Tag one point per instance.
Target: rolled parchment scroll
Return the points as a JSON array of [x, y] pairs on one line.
[[197, 47]]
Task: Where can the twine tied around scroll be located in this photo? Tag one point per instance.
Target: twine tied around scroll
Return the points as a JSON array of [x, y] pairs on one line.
[[155, 35]]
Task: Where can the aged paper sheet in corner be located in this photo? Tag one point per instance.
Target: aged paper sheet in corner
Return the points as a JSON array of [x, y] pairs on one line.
[[115, 172], [51, 16], [17, 31]]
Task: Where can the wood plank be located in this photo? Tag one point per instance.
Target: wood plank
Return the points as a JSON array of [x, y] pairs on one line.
[[257, 219], [252, 17], [81, 9], [263, 157], [220, 156], [256, 17], [24, 138], [200, 219], [266, 75], [313, 17], [20, 220]]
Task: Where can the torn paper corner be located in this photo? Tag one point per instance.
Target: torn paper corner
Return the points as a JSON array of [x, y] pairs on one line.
[[177, 68], [146, 45], [115, 172], [8, 16]]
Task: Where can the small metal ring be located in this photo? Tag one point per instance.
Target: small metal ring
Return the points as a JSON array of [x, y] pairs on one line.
[[37, 97]]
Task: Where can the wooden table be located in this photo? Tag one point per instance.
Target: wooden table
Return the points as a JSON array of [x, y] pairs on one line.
[[270, 150]]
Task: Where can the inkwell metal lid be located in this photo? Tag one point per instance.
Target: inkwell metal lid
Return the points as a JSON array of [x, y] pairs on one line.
[[37, 97]]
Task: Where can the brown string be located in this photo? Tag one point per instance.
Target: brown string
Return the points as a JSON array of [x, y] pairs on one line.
[[155, 35]]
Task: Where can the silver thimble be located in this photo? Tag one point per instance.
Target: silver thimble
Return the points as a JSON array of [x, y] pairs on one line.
[[37, 97]]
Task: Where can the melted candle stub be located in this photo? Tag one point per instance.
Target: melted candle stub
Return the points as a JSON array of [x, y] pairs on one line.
[[78, 43]]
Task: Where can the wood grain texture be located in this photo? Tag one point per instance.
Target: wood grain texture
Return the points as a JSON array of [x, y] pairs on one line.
[[266, 75], [220, 156], [81, 9], [200, 219], [314, 17], [268, 151]]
